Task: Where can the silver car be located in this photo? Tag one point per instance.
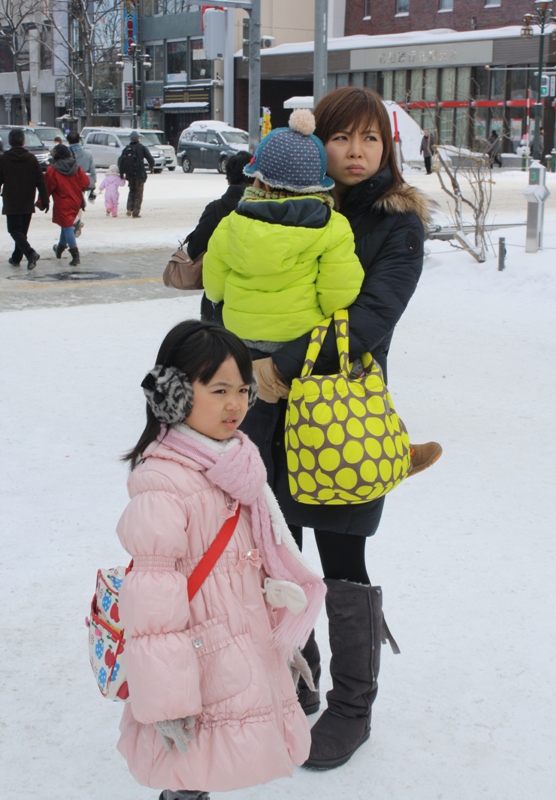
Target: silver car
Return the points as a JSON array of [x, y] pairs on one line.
[[106, 145]]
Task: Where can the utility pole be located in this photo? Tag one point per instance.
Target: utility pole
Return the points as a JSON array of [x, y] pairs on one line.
[[320, 60]]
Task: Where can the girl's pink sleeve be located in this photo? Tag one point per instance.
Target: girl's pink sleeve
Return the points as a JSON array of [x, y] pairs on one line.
[[102, 185], [162, 667], [121, 182]]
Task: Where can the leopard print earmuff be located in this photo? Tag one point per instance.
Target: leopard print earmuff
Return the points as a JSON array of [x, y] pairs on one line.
[[169, 392]]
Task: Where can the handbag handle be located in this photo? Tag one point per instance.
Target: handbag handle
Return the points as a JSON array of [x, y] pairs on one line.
[[341, 325]]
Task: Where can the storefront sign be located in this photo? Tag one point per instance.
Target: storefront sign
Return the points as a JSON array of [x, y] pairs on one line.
[[128, 96], [423, 56], [60, 93], [177, 77]]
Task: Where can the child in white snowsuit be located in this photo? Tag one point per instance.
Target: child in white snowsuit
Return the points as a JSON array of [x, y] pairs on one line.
[[111, 183]]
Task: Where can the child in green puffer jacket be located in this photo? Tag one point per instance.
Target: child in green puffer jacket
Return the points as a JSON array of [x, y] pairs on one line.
[[284, 260]]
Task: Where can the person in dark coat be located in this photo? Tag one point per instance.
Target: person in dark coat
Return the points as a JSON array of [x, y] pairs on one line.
[[20, 178], [137, 176], [427, 143], [215, 211], [387, 217], [494, 149]]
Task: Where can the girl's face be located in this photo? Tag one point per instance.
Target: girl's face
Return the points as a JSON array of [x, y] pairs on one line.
[[353, 155], [220, 406]]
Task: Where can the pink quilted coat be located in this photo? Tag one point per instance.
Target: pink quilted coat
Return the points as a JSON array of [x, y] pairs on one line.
[[210, 659]]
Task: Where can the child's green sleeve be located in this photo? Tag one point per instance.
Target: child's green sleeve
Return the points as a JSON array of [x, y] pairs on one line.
[[340, 275]]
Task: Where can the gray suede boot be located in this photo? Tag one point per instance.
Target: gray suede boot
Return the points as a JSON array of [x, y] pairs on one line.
[[167, 794], [357, 629], [309, 699]]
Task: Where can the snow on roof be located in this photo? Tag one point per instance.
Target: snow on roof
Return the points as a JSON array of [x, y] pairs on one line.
[[361, 41], [299, 102]]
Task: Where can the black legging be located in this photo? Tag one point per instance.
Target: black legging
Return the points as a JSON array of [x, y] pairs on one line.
[[342, 555]]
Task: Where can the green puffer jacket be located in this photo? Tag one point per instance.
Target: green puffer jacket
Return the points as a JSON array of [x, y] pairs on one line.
[[281, 267]]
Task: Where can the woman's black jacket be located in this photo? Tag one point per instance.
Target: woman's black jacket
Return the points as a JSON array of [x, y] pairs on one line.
[[389, 231]]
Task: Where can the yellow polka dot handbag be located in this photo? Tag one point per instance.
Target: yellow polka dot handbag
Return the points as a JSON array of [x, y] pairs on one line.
[[345, 444]]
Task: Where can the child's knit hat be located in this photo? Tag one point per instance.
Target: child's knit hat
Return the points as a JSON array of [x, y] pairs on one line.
[[292, 158], [113, 169]]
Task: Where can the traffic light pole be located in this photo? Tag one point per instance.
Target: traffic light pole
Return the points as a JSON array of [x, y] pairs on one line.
[[538, 105]]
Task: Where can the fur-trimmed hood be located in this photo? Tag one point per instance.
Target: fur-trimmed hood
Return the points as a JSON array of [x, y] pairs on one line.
[[378, 195], [407, 199]]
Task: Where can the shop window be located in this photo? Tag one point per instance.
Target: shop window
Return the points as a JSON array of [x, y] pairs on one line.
[[342, 79], [331, 82], [518, 84], [148, 8], [156, 55], [357, 78], [448, 83], [402, 6], [387, 85], [446, 126], [497, 85], [416, 83], [463, 83], [371, 80], [479, 83], [417, 115], [201, 67], [176, 61], [400, 92], [462, 127], [431, 85], [480, 134]]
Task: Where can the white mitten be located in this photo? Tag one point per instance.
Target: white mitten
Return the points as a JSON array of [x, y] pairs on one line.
[[280, 594], [299, 668], [176, 731]]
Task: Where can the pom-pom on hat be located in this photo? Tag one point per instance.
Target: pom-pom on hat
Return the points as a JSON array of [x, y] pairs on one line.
[[292, 158]]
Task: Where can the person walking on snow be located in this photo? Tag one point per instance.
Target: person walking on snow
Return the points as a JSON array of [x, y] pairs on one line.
[[66, 181], [494, 149], [111, 184], [131, 164], [427, 143], [20, 178], [212, 702], [87, 163]]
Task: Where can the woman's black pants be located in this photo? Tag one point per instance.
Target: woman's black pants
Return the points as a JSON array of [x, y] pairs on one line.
[[342, 555]]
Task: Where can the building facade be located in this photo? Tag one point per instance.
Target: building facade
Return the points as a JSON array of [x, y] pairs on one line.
[[461, 85], [379, 17]]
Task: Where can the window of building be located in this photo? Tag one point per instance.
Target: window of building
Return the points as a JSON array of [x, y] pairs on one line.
[[156, 55], [371, 80], [46, 46], [366, 9], [463, 85], [445, 5], [176, 61], [493, 3], [387, 85], [400, 86], [357, 78], [402, 6], [479, 83], [431, 85], [497, 84], [201, 67], [448, 83], [342, 79]]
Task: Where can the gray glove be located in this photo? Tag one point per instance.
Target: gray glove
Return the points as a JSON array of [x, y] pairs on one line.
[[176, 731]]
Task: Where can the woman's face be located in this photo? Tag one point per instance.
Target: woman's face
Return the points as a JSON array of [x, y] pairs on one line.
[[353, 155]]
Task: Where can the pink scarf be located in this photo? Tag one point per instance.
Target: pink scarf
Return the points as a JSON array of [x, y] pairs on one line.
[[240, 473]]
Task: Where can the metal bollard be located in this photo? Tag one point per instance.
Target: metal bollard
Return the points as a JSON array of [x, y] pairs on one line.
[[524, 161], [501, 254], [553, 160]]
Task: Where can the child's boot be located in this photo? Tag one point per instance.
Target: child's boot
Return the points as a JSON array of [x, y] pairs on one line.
[[59, 249], [423, 456], [75, 260], [167, 794]]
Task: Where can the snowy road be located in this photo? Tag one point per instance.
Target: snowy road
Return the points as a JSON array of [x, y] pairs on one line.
[[465, 553]]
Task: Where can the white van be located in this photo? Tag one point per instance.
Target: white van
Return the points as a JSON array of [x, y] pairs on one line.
[[106, 145]]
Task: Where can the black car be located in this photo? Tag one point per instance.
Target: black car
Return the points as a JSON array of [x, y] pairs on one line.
[[32, 143], [208, 149]]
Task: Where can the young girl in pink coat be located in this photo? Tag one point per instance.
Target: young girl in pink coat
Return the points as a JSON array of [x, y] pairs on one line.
[[212, 702], [112, 184]]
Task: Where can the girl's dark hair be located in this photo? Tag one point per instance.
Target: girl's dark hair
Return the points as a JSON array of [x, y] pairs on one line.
[[234, 169], [199, 355], [61, 151], [357, 107]]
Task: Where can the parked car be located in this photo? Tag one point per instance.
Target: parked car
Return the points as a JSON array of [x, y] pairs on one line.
[[47, 135], [32, 143], [209, 145], [158, 139], [106, 145]]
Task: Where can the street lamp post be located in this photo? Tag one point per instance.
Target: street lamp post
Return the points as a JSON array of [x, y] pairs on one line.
[[542, 17], [135, 54]]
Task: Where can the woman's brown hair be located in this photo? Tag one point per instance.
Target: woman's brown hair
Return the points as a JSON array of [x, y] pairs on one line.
[[356, 107]]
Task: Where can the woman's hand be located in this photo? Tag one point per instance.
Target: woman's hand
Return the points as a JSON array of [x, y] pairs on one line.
[[271, 384]]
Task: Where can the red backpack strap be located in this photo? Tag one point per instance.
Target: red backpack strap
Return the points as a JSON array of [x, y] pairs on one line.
[[205, 565]]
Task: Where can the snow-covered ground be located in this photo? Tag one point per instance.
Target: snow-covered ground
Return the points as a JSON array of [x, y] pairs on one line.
[[465, 552]]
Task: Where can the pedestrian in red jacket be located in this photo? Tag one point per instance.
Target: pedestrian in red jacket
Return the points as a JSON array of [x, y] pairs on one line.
[[66, 181]]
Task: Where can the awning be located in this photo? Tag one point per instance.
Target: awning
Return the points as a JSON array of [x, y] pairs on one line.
[[176, 107], [299, 102]]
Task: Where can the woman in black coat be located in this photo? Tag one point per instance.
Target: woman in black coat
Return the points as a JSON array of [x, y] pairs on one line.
[[387, 217]]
